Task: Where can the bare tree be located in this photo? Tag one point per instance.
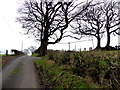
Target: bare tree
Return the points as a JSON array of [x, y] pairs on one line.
[[97, 20], [32, 49], [26, 51], [90, 23], [47, 21], [112, 19]]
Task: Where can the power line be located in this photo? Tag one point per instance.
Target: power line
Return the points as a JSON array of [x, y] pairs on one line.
[[75, 41], [69, 43], [6, 21]]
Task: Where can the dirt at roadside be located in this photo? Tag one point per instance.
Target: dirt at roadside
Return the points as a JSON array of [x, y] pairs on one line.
[[7, 59]]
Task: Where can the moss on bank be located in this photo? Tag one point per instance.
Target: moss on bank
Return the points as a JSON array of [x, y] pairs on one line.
[[56, 76]]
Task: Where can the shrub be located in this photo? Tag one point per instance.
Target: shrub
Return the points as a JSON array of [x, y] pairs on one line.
[[100, 66]]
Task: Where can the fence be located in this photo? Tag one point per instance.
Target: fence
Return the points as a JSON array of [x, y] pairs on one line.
[[75, 46]]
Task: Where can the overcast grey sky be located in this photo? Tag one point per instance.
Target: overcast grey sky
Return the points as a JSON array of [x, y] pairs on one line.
[[10, 37]]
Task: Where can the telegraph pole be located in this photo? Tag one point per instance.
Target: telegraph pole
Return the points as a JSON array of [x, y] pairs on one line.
[[22, 46], [92, 43], [75, 47], [69, 45]]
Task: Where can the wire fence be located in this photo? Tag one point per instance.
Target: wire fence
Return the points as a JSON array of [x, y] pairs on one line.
[[75, 42]]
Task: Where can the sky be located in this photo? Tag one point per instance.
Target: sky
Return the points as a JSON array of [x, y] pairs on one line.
[[11, 33]]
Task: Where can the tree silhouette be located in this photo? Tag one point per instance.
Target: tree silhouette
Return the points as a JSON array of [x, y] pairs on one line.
[[48, 21], [112, 19], [90, 23], [32, 49], [98, 19]]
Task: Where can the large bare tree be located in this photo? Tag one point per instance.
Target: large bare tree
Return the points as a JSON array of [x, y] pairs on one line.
[[47, 21], [90, 23], [112, 19], [98, 19]]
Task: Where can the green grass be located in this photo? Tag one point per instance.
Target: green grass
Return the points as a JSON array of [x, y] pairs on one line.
[[8, 54], [3, 55], [57, 77], [15, 71], [35, 55]]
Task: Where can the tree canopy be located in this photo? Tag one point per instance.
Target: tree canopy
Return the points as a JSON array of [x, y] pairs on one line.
[[48, 21]]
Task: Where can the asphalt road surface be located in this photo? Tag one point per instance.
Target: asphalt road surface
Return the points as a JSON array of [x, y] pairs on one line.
[[21, 74]]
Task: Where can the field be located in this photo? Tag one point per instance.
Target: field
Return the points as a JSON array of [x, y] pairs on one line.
[[92, 69], [4, 60]]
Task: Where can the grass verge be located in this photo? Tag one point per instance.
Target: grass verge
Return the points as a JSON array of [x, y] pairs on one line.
[[56, 76], [7, 55], [35, 55], [15, 71]]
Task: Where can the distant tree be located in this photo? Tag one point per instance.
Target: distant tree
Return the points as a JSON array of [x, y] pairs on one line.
[[112, 19], [98, 19], [90, 23], [47, 21], [26, 51], [16, 52], [32, 49]]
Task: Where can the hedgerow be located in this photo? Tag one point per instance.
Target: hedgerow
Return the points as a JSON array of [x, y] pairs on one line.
[[56, 76], [103, 67], [100, 69]]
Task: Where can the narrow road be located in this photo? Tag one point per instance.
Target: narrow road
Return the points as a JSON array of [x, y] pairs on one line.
[[21, 74]]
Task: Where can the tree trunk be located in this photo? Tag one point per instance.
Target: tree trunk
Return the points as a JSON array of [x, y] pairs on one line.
[[108, 41], [43, 48], [98, 43], [98, 37]]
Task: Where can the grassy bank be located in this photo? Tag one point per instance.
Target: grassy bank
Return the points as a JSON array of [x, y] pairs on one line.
[[35, 55], [56, 76], [93, 69], [7, 55], [4, 60]]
